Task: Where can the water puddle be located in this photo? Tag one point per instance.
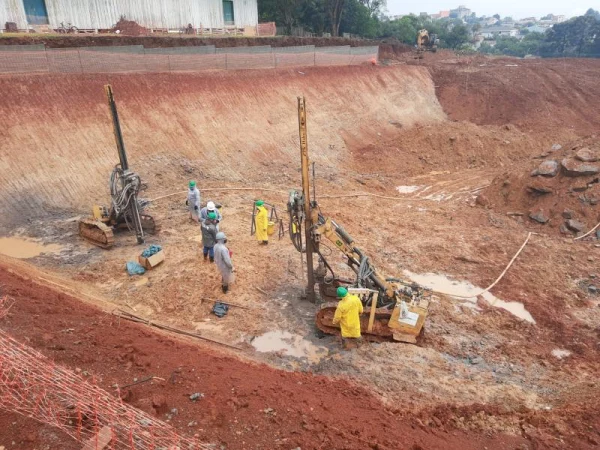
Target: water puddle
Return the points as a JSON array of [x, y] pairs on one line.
[[290, 345], [444, 285], [560, 353], [408, 189], [23, 248]]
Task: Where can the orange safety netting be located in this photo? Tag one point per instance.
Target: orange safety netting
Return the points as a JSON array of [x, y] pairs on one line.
[[36, 387]]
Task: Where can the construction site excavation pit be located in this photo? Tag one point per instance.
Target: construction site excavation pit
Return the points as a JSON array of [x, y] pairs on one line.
[[426, 163]]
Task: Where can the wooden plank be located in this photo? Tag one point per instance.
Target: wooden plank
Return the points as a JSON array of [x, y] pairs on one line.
[[101, 440], [372, 315]]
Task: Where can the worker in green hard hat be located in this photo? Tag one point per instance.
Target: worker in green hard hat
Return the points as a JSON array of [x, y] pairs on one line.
[[347, 315], [261, 221], [209, 236], [193, 201]]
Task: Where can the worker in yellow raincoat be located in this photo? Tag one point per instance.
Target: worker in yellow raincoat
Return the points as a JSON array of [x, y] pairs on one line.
[[261, 221], [347, 314]]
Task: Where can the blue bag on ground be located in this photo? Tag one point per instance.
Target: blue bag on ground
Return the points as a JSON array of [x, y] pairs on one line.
[[134, 268], [152, 250], [220, 309]]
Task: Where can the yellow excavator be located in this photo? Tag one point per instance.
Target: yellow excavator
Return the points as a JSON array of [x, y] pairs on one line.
[[394, 309], [427, 42], [126, 210]]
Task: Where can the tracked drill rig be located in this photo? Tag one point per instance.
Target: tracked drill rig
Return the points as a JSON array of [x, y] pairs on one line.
[[394, 309], [126, 210]]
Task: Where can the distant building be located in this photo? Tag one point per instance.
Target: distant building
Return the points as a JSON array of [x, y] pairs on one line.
[[102, 14], [440, 15], [527, 20], [536, 29], [460, 13], [494, 32]]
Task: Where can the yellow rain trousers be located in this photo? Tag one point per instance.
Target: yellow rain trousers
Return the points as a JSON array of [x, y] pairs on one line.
[[347, 315], [261, 220]]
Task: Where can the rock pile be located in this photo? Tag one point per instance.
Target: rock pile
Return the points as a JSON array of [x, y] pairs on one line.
[[561, 192]]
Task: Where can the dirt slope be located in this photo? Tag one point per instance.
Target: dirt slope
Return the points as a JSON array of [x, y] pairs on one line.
[[547, 96], [224, 126]]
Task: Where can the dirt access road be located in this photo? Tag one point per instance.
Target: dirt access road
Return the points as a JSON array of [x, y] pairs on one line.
[[525, 368]]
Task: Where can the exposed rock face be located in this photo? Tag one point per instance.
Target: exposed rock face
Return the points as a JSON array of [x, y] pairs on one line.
[[587, 155], [574, 168], [539, 216], [547, 169], [575, 225]]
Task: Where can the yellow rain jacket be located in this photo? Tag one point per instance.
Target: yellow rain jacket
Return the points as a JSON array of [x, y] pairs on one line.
[[347, 314], [261, 220]]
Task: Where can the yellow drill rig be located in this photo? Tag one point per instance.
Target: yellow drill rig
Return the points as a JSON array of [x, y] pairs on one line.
[[393, 308], [126, 210]]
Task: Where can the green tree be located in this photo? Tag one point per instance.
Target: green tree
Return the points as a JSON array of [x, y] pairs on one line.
[[375, 7], [358, 19], [458, 35]]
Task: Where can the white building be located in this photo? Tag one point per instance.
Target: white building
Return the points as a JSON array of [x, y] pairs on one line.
[[103, 14], [494, 32]]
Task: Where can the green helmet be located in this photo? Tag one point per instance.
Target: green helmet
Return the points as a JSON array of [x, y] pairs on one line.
[[342, 292], [212, 215], [260, 203], [192, 184]]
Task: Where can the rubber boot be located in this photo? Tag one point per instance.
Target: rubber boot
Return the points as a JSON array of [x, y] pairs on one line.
[[206, 257], [225, 288], [265, 242], [212, 259]]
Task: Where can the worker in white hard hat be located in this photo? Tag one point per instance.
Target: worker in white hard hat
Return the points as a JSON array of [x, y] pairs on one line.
[[210, 207]]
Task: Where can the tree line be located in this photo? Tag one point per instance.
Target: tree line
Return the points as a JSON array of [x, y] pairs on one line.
[[579, 36]]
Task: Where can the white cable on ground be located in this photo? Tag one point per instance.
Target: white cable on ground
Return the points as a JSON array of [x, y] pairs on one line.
[[588, 233], [360, 194], [497, 279], [221, 189]]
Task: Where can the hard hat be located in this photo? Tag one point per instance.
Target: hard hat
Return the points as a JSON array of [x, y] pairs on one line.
[[210, 206], [192, 184], [221, 236], [260, 203], [212, 215], [342, 292]]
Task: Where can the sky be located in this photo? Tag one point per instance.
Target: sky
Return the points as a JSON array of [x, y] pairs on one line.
[[514, 8]]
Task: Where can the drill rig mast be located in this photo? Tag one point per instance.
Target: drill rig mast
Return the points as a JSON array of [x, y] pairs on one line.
[[126, 209], [396, 309]]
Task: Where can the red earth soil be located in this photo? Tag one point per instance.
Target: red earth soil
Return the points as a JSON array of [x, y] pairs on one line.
[[307, 411], [538, 94]]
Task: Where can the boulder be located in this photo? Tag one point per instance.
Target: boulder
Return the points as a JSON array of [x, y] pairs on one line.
[[482, 200], [539, 216], [539, 189], [587, 155], [575, 225], [573, 168], [564, 230], [547, 168]]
